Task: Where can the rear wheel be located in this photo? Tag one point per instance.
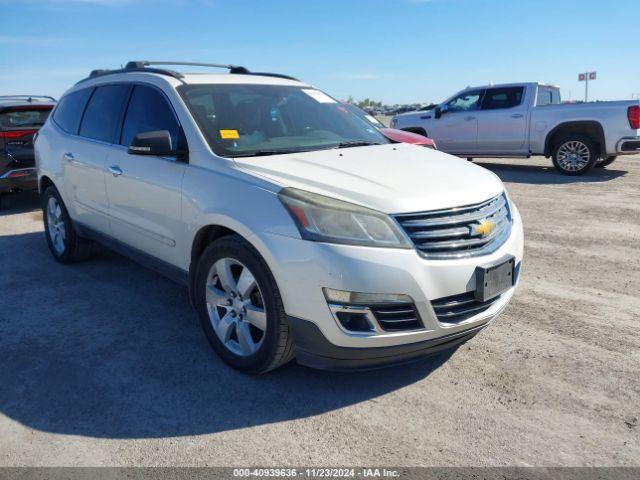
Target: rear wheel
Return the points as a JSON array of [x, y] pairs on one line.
[[603, 162], [65, 244], [574, 154], [240, 307]]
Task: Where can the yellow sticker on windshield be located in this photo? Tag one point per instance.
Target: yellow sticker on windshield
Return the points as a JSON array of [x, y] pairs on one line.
[[229, 134]]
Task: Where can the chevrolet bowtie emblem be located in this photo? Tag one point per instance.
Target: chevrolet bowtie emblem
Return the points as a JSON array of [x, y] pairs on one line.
[[484, 228]]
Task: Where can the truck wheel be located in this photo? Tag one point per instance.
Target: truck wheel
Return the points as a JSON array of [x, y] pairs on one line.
[[574, 154], [65, 244], [240, 307], [603, 162]]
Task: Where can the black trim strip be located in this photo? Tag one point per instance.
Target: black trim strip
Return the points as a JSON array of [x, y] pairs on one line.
[[168, 270]]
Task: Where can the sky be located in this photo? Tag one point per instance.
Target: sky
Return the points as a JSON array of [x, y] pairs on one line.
[[394, 51]]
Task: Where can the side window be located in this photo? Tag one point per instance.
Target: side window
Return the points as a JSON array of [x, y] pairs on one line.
[[465, 102], [496, 98], [148, 111], [102, 116], [69, 110]]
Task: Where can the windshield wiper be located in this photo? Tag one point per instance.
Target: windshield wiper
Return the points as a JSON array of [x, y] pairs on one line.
[[356, 143], [263, 153]]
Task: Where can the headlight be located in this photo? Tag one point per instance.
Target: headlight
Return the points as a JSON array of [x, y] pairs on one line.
[[324, 219]]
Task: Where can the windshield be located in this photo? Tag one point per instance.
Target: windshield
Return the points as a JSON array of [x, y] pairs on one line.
[[364, 115], [250, 120]]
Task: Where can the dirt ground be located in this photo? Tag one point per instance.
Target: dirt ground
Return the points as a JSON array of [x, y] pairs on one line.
[[104, 363]]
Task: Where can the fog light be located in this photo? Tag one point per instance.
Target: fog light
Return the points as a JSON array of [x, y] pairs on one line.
[[358, 298], [355, 321]]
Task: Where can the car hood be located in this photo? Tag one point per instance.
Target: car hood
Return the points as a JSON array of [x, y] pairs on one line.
[[394, 178], [405, 137]]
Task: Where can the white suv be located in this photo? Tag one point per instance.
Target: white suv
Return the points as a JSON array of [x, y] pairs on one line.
[[298, 228]]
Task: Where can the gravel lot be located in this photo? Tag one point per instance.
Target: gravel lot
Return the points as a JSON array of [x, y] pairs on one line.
[[104, 363]]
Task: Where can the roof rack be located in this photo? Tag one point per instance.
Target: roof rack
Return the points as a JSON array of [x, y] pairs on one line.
[[143, 66], [147, 63], [28, 98]]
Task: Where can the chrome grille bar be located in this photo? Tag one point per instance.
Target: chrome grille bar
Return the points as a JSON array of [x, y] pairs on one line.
[[452, 233]]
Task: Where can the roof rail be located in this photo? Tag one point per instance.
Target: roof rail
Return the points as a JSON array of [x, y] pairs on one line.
[[277, 75], [29, 98], [148, 63], [143, 66]]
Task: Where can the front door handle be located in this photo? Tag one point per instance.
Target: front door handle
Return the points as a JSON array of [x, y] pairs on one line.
[[468, 119], [69, 156], [115, 170], [517, 115]]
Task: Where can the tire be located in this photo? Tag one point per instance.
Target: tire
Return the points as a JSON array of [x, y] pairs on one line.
[[606, 161], [244, 321], [65, 244], [574, 154]]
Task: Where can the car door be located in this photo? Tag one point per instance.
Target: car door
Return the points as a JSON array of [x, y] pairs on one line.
[[84, 153], [144, 191], [456, 130], [503, 121]]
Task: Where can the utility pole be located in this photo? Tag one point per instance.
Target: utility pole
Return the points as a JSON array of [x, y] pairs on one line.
[[586, 88], [585, 77]]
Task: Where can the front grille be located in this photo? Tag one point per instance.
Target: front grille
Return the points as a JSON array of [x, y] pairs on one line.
[[396, 317], [458, 308], [453, 233]]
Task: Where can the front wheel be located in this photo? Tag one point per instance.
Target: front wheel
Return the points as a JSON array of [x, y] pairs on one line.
[[240, 307], [65, 244], [575, 154], [603, 162]]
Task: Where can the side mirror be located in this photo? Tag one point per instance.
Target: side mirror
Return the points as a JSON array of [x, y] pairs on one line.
[[438, 112], [156, 143]]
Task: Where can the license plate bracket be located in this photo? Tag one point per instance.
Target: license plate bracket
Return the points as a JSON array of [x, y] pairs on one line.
[[493, 280]]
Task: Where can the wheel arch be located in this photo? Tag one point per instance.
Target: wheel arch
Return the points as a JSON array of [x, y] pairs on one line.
[[44, 183], [591, 128], [212, 231], [418, 130]]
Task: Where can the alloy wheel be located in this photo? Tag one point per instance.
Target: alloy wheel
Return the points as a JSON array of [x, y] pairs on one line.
[[236, 307], [56, 226], [573, 156]]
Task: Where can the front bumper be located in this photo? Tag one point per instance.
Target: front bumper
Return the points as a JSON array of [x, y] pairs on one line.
[[315, 351], [302, 268]]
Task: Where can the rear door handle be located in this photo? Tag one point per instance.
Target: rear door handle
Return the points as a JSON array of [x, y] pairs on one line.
[[468, 119], [69, 156], [517, 115], [115, 170]]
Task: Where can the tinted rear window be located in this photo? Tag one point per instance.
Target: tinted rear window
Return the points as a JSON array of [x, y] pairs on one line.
[[102, 117], [69, 110], [496, 98], [24, 118], [149, 111]]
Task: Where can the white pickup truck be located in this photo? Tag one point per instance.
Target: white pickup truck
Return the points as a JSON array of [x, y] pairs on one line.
[[524, 119]]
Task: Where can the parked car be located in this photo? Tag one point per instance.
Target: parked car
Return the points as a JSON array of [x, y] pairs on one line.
[[392, 134], [298, 230], [20, 118], [524, 119]]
